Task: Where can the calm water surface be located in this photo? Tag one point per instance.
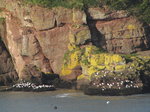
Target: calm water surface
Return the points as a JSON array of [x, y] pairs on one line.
[[71, 101]]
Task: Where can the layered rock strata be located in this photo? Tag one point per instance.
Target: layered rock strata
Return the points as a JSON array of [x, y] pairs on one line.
[[117, 32]]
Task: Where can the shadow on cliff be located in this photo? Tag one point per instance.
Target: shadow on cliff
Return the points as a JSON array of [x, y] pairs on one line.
[[147, 32], [97, 38], [8, 74]]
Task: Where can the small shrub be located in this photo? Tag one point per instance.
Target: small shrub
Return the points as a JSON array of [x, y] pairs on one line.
[[128, 57], [98, 51], [2, 20]]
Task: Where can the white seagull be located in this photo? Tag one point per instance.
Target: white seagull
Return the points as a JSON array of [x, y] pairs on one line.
[[107, 102]]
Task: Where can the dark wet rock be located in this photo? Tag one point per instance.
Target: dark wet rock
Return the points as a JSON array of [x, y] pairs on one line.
[[113, 92], [59, 83], [8, 78], [48, 79], [145, 77], [110, 86]]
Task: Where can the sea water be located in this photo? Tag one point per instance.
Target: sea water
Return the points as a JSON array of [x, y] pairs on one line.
[[71, 101]]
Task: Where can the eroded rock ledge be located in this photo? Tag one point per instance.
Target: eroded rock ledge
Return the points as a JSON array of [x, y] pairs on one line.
[[90, 48]]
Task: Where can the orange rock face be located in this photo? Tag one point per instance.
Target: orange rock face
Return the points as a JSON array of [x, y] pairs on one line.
[[39, 37], [54, 44], [117, 32], [125, 35]]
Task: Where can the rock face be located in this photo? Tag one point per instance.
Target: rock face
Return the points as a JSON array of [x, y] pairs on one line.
[[117, 32], [71, 43], [8, 73], [37, 36], [123, 37]]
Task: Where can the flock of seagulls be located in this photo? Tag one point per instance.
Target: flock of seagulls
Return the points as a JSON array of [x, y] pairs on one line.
[[116, 84], [29, 85]]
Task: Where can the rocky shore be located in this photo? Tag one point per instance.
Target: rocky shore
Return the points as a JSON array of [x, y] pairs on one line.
[[113, 92], [107, 87]]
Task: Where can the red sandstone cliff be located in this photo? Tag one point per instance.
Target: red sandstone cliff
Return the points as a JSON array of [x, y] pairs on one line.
[[37, 38]]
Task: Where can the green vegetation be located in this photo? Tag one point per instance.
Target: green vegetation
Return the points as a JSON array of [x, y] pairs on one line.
[[80, 4], [98, 51], [139, 8], [128, 57], [85, 61], [2, 19]]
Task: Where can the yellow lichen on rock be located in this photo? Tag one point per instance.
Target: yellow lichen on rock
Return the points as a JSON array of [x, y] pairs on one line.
[[106, 59], [100, 61], [91, 70], [82, 76], [89, 49], [120, 67], [131, 27], [71, 38], [117, 58], [110, 67], [65, 71], [97, 59], [101, 67], [82, 36], [91, 61], [71, 47], [73, 60]]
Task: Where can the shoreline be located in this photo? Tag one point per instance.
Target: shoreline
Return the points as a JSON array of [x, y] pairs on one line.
[[88, 91]]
